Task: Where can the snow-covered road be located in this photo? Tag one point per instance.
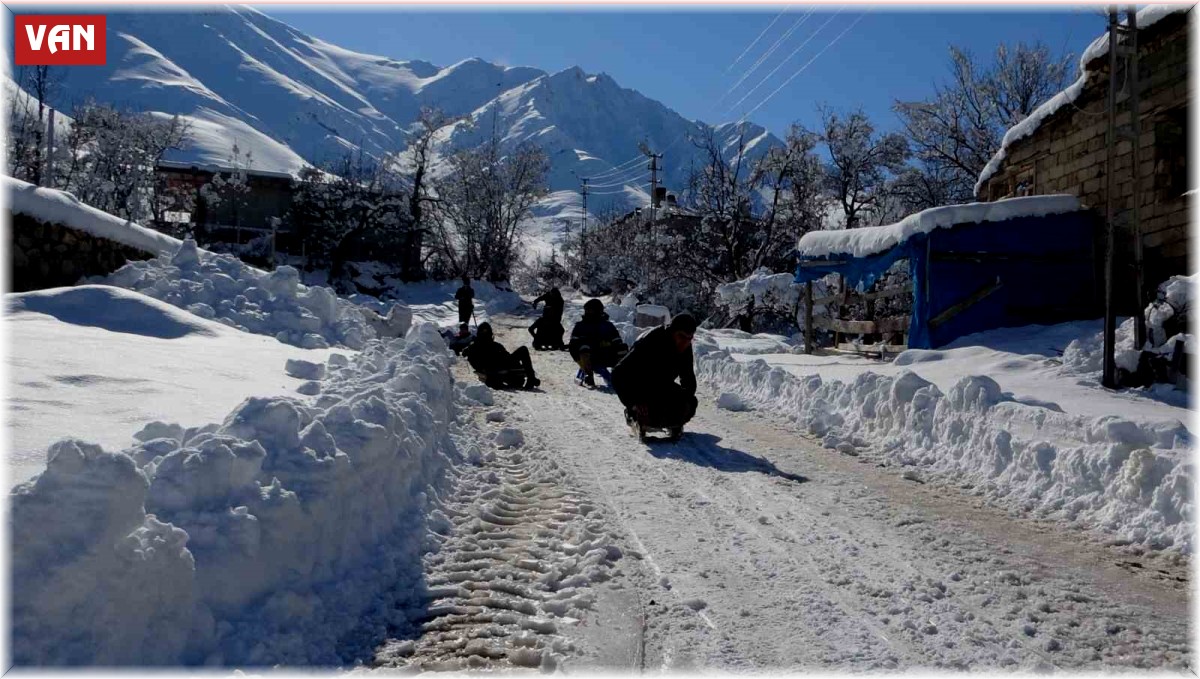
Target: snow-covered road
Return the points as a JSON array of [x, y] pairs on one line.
[[752, 548]]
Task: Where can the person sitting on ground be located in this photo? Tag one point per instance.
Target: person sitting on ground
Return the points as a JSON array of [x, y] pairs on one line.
[[458, 340], [645, 380], [548, 331], [547, 334], [554, 304], [465, 297], [495, 366], [596, 345]]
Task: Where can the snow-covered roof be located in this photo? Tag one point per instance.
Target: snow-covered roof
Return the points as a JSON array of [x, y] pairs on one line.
[[869, 240], [215, 168], [1146, 17], [60, 207]]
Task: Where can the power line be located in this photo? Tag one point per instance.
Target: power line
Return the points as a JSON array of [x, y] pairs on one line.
[[755, 41], [785, 60], [619, 169], [806, 65], [767, 54]]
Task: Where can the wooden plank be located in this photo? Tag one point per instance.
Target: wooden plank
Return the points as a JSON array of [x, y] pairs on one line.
[[892, 324], [972, 299], [872, 348]]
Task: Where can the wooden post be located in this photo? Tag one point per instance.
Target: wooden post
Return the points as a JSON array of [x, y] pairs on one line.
[[1109, 375], [808, 317], [1135, 108]]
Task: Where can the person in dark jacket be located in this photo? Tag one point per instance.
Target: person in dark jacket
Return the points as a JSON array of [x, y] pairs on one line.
[[548, 331], [547, 334], [495, 366], [645, 380], [596, 345], [465, 297]]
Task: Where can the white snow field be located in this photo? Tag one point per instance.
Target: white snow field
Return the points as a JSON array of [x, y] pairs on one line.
[[99, 362], [288, 532]]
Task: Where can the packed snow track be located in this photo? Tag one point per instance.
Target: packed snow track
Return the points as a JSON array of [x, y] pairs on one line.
[[746, 546]]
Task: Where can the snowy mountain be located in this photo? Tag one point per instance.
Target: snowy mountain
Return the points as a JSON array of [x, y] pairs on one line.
[[290, 99]]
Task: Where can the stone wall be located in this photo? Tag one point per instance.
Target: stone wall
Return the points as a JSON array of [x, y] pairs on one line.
[[51, 255], [1068, 154]]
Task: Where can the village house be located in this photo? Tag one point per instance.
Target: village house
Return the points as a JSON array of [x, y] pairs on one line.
[[264, 205], [1062, 149]]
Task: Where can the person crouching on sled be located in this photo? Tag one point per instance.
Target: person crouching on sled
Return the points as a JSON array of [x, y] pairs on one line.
[[495, 366], [645, 379], [547, 330], [596, 345]]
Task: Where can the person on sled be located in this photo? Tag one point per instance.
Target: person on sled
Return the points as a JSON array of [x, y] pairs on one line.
[[548, 331], [495, 366], [596, 345], [457, 341], [645, 380], [465, 297]]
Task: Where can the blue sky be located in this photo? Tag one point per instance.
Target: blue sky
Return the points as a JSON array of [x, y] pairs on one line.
[[681, 57]]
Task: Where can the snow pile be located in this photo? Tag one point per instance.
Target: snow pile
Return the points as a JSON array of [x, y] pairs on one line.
[[651, 315], [59, 207], [1167, 315], [1166, 325], [281, 535], [1125, 477], [222, 288], [763, 288], [866, 241], [1146, 17]]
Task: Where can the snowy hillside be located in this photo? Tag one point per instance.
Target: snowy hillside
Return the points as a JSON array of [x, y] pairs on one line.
[[242, 77]]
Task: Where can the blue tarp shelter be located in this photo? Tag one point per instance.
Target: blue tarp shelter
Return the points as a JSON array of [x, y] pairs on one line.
[[974, 276]]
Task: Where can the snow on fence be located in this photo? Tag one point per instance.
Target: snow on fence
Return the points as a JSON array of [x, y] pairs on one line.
[[290, 532], [59, 207], [1125, 478]]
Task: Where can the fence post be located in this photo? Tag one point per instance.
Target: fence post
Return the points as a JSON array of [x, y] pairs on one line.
[[808, 317]]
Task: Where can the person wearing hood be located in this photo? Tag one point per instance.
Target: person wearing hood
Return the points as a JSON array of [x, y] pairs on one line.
[[466, 300], [645, 380], [547, 331], [596, 345], [495, 366]]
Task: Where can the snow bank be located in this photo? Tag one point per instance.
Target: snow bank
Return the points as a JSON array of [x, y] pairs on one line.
[[222, 288], [281, 535], [1167, 315], [1147, 16], [870, 240], [58, 207], [764, 287], [1112, 474]]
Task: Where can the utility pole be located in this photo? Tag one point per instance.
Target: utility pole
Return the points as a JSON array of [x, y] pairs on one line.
[[654, 168], [583, 224], [48, 175], [1109, 375], [1135, 122]]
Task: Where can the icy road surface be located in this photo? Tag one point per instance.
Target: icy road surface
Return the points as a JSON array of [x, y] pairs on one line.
[[748, 547]]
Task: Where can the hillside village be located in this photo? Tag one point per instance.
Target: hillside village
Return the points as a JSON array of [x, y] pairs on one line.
[[941, 374]]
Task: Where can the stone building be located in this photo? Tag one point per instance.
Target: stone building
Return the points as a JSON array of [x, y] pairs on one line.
[[1061, 148]]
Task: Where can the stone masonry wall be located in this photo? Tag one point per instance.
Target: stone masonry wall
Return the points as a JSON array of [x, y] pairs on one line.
[[51, 255], [1067, 154]]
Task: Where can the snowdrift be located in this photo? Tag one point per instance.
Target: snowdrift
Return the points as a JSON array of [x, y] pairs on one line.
[[281, 534], [222, 288], [1127, 478]]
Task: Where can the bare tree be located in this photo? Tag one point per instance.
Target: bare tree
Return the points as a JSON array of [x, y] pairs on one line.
[[415, 175], [113, 157], [861, 163], [957, 131], [484, 201]]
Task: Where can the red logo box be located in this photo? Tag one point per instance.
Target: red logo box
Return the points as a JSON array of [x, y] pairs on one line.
[[59, 40]]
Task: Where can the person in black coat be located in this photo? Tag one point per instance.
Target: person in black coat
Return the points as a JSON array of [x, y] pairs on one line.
[[548, 331], [595, 342], [495, 366], [645, 380], [465, 297]]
